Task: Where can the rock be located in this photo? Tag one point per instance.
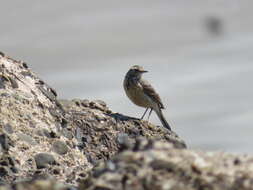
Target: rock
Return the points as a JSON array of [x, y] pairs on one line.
[[60, 147], [85, 103], [98, 104], [124, 141], [2, 82], [42, 175], [8, 128], [43, 132], [67, 133], [40, 185], [82, 132], [27, 138], [46, 133], [44, 159], [48, 93], [96, 147], [4, 142], [14, 83]]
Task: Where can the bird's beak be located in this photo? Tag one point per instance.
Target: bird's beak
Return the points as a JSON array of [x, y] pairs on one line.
[[143, 71]]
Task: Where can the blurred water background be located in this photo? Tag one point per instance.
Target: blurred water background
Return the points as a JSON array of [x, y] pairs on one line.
[[199, 54]]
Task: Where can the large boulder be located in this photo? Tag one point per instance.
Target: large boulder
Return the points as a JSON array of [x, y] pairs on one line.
[[42, 137]]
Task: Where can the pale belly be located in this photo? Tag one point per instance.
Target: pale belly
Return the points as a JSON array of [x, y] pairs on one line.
[[137, 96]]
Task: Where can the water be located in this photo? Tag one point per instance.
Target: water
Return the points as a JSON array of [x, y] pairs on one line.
[[203, 76]]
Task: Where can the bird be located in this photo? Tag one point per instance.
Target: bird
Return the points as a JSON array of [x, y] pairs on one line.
[[141, 93]]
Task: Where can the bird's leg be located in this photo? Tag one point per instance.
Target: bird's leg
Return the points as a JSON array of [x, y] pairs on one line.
[[150, 113], [144, 113]]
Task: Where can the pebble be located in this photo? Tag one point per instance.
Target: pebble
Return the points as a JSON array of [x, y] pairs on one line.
[[124, 141], [2, 81], [14, 82], [47, 93], [98, 104], [42, 160], [42, 132], [8, 128], [27, 138], [5, 142], [67, 133], [60, 147], [85, 103]]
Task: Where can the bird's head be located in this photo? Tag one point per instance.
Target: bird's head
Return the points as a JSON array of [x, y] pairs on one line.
[[136, 71]]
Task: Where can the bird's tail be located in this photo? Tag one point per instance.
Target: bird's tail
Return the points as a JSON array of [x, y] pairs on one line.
[[162, 119]]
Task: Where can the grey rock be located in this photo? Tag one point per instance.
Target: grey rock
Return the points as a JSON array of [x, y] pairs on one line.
[[5, 142], [67, 133], [14, 82], [60, 147], [26, 73], [42, 183], [47, 92], [44, 159], [124, 141], [26, 138], [5, 94], [8, 128], [2, 82], [98, 104], [46, 133], [43, 132], [42, 175], [85, 103]]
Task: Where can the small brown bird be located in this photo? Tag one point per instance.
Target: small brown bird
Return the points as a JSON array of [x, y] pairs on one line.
[[141, 93]]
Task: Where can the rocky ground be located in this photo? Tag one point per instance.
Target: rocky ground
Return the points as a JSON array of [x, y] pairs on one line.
[[52, 144], [157, 165]]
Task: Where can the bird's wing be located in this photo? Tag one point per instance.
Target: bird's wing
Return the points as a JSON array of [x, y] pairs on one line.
[[150, 91]]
